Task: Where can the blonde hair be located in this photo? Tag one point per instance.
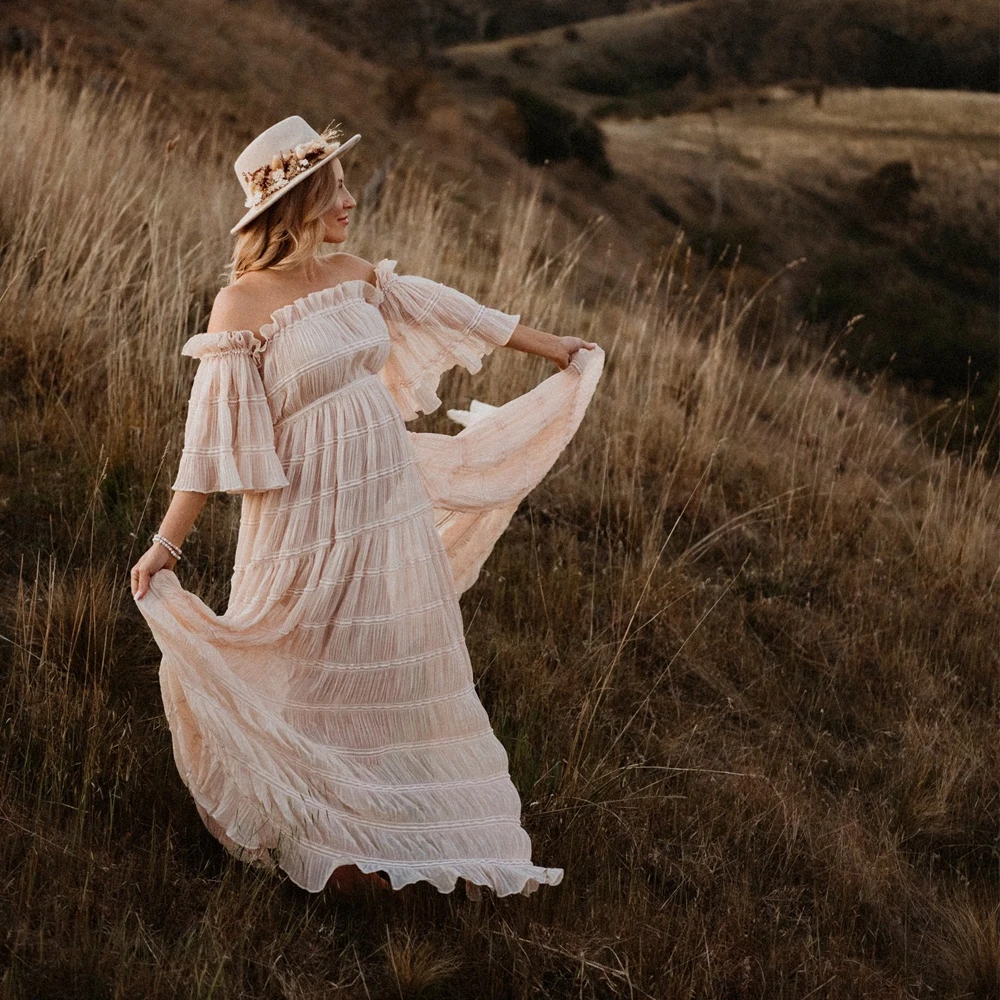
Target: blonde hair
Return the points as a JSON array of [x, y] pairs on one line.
[[290, 231]]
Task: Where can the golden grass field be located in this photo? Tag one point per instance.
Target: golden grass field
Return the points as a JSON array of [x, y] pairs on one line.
[[742, 645]]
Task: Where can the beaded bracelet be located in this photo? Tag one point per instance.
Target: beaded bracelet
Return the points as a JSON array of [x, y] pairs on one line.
[[168, 545]]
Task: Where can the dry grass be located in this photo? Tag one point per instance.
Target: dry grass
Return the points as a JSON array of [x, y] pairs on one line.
[[741, 644], [248, 63]]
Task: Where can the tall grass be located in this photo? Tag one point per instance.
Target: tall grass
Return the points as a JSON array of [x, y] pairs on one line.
[[741, 644]]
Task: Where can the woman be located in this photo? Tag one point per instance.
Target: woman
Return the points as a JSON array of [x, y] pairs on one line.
[[327, 723]]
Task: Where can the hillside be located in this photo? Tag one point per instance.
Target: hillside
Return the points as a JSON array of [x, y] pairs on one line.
[[886, 195], [244, 66], [741, 644], [387, 30], [889, 196], [658, 60], [554, 59]]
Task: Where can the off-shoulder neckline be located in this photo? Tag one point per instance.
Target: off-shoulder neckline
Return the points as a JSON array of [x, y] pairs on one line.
[[321, 298], [306, 305]]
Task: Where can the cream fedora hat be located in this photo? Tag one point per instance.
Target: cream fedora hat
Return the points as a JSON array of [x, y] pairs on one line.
[[279, 158]]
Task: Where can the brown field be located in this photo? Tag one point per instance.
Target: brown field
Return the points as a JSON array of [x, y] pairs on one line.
[[772, 176], [742, 645]]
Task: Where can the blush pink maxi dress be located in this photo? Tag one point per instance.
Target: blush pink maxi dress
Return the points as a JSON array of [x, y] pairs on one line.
[[329, 716]]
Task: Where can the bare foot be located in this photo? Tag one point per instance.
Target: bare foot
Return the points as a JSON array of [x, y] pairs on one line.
[[350, 880]]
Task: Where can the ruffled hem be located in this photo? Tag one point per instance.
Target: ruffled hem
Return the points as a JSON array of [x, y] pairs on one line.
[[229, 472], [503, 878], [277, 795], [433, 328]]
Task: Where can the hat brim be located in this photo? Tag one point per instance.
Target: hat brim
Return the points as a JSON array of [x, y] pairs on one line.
[[268, 202]]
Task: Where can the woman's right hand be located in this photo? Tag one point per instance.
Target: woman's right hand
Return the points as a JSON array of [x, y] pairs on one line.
[[565, 347], [155, 558]]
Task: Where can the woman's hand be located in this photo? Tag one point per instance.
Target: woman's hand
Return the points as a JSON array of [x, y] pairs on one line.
[[155, 558], [547, 345], [565, 347]]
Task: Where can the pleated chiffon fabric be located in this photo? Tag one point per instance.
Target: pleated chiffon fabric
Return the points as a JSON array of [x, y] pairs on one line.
[[329, 716]]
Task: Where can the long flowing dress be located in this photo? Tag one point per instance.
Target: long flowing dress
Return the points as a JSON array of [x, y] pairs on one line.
[[329, 716]]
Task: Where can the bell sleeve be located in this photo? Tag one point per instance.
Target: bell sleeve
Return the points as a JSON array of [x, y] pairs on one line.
[[229, 432], [432, 328]]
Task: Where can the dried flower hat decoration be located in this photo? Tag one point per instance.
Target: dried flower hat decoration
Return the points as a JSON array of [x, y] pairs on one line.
[[280, 157]]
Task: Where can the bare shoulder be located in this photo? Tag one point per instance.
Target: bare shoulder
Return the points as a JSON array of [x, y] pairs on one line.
[[351, 267], [233, 308]]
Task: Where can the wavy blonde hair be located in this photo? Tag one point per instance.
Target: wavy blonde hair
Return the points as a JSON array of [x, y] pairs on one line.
[[290, 231]]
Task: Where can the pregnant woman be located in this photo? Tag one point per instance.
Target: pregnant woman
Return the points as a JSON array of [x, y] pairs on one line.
[[327, 723]]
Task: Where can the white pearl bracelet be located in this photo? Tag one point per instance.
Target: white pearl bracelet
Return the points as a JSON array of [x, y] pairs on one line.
[[168, 545]]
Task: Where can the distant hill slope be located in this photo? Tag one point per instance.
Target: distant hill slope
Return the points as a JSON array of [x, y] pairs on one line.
[[889, 195], [689, 116], [553, 59], [405, 27], [702, 44]]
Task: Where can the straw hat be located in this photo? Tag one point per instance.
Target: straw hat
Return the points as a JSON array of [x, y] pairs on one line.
[[279, 158]]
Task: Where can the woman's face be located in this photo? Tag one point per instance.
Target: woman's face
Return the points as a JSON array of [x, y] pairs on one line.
[[336, 217]]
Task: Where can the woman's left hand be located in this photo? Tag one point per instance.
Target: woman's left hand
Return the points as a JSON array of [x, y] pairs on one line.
[[565, 347]]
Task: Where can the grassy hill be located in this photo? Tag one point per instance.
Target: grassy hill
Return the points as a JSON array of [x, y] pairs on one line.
[[558, 60], [890, 196], [741, 644], [232, 69], [659, 59], [887, 195]]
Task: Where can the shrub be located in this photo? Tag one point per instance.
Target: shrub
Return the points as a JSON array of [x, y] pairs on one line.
[[552, 132], [923, 331], [500, 84], [522, 55], [586, 142], [547, 126], [603, 80], [887, 193]]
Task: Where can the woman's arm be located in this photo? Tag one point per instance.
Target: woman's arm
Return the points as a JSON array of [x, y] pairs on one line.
[[547, 345], [180, 516]]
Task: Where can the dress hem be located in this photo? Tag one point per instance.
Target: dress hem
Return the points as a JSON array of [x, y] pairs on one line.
[[520, 877]]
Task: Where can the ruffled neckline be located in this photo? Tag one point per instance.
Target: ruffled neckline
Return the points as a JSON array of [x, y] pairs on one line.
[[246, 341], [354, 289]]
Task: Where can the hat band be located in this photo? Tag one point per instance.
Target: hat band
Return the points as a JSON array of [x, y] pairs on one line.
[[285, 166]]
